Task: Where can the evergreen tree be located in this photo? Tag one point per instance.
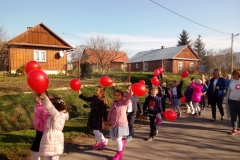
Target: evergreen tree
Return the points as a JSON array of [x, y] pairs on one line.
[[183, 39], [199, 47]]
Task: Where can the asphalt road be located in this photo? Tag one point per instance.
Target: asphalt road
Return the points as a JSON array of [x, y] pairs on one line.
[[187, 138]]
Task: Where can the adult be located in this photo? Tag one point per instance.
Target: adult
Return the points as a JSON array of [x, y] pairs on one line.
[[233, 101], [228, 79], [215, 92], [207, 83]]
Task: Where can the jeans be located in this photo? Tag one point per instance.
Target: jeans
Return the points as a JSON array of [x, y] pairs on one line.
[[234, 107]]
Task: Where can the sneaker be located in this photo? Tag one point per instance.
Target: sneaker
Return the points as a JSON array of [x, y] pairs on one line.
[[150, 139], [96, 146], [129, 138], [104, 143], [203, 109], [234, 132], [199, 113]]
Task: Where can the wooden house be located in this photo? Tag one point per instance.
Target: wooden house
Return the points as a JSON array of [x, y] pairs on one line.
[[172, 59], [41, 44], [112, 61]]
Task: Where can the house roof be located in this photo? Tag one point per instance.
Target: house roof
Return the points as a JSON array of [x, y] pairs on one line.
[[107, 55], [159, 54], [35, 32]]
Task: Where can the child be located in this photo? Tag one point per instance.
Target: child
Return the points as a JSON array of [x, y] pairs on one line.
[[204, 91], [39, 123], [154, 106], [52, 142], [132, 108], [118, 118], [176, 95], [97, 115], [165, 95], [196, 96], [188, 102]]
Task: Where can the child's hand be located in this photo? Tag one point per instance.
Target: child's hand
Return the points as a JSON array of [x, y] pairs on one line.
[[106, 123], [79, 92]]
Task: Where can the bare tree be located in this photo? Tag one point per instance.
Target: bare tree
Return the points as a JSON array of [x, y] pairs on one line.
[[220, 59], [4, 50], [104, 50]]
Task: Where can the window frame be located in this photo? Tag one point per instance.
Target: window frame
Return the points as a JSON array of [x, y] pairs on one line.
[[136, 65], [145, 66], [180, 66], [41, 53], [191, 66]]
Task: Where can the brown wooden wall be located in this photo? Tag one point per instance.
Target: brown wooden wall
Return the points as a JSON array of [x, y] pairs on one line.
[[38, 35], [20, 56], [186, 53], [185, 66]]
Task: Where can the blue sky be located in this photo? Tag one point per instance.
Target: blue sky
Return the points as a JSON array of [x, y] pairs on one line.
[[139, 24]]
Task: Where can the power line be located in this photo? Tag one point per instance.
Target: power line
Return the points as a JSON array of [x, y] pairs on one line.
[[219, 43], [189, 19], [237, 39]]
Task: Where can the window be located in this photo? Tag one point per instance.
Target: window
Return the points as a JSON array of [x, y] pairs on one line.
[[191, 66], [179, 65], [136, 65], [145, 66], [40, 56]]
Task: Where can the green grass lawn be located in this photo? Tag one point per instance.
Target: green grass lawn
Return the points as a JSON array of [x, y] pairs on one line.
[[16, 112]]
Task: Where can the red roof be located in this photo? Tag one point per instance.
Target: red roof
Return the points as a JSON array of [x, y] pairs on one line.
[[105, 55]]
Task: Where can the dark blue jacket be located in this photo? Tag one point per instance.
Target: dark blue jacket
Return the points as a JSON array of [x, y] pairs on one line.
[[221, 83], [188, 94], [153, 105]]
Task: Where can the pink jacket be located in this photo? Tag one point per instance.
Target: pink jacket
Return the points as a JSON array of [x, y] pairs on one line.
[[197, 91], [40, 117], [52, 142], [117, 115]]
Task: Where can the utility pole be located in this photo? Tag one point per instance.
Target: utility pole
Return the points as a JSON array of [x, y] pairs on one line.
[[232, 50], [232, 54]]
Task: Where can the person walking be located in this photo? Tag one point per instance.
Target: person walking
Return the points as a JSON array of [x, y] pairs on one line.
[[233, 101], [188, 102], [97, 115], [153, 105], [118, 118], [215, 92]]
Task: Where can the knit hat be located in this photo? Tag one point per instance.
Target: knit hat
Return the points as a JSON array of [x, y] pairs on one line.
[[198, 81]]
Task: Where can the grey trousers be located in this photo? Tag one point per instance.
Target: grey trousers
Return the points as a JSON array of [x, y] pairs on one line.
[[235, 112]]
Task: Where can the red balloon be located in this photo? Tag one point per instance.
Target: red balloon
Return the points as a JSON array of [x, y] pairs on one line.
[[170, 115], [31, 65], [183, 99], [184, 74], [75, 84], [105, 81], [37, 80], [139, 89], [156, 72], [155, 81], [161, 70], [142, 81]]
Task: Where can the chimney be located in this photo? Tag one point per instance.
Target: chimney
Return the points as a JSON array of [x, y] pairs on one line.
[[163, 47], [29, 28]]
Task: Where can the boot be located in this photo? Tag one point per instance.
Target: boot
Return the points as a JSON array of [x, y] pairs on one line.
[[118, 155], [123, 145]]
